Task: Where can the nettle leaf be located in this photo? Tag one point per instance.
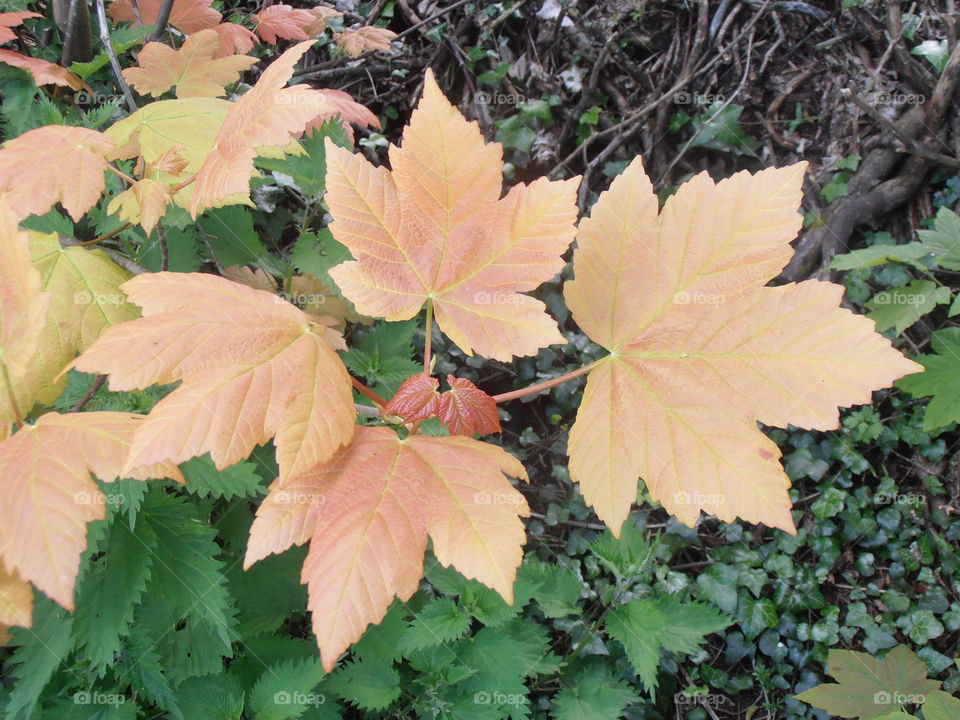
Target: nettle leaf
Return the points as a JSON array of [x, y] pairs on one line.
[[901, 307], [252, 367], [944, 239], [880, 254], [194, 68], [218, 697], [368, 684], [940, 380], [434, 228], [438, 622], [309, 170], [867, 687], [647, 627], [593, 694], [285, 690], [367, 517], [231, 235], [204, 479], [700, 350]]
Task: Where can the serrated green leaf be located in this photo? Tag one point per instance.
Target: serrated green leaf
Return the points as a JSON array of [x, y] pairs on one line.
[[310, 169], [943, 240], [437, 622], [108, 596], [593, 694], [39, 652], [909, 254], [230, 234], [314, 253], [240, 480], [869, 688], [286, 690], [213, 697], [940, 380], [368, 684], [269, 592], [381, 641], [901, 307], [142, 667], [555, 588]]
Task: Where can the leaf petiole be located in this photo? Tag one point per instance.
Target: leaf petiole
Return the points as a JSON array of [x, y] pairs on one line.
[[547, 384]]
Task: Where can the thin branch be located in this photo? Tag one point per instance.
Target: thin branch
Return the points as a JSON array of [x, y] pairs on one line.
[[546, 385], [105, 236], [364, 390], [163, 17], [112, 54], [68, 34], [88, 395]]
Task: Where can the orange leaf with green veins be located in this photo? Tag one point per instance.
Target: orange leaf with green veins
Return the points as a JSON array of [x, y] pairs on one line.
[[434, 228], [16, 600], [367, 513], [252, 367], [43, 71], [54, 164], [700, 350], [234, 38], [284, 21], [144, 203], [11, 20], [269, 115], [194, 68], [188, 16], [464, 409], [49, 496], [349, 110]]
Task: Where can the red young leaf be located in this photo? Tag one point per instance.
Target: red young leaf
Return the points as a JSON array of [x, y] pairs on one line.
[[368, 511], [234, 38], [465, 409]]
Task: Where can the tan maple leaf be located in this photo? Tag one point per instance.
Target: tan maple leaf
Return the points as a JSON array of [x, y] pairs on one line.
[[44, 72], [252, 366], [464, 409], [144, 203], [16, 602], [349, 110], [234, 38], [283, 21], [257, 279], [700, 350], [49, 496], [194, 68], [322, 16], [269, 115], [356, 42], [10, 20], [188, 16], [367, 513], [434, 228], [54, 163]]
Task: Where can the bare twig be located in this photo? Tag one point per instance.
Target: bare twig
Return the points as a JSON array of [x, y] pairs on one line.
[[88, 395], [112, 54], [163, 17]]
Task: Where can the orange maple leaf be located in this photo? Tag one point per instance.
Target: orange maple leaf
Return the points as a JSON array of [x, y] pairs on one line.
[[43, 71], [436, 229], [284, 21], [16, 602], [464, 409], [367, 513], [700, 350], [145, 203], [349, 110], [49, 496], [10, 20], [269, 115], [188, 16], [252, 367], [234, 38], [194, 68], [356, 42], [54, 163]]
